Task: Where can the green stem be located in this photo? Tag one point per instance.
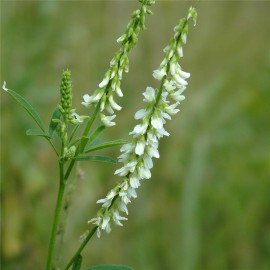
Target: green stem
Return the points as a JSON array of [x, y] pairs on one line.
[[81, 147], [83, 244], [57, 212]]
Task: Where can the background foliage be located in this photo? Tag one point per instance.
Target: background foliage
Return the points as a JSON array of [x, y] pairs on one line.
[[207, 205]]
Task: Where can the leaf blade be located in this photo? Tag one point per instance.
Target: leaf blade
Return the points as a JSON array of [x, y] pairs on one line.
[[110, 267], [105, 145], [53, 125], [77, 263], [33, 132], [28, 107], [101, 158]]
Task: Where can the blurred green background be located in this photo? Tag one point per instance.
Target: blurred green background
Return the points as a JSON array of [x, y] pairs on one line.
[[207, 205]]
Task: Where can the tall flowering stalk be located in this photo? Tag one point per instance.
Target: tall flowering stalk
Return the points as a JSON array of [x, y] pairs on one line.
[[103, 97], [137, 155]]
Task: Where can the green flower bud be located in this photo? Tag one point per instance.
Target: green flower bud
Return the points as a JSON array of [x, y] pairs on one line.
[[66, 93]]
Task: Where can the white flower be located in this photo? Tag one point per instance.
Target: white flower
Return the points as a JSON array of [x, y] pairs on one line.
[[96, 221], [141, 114], [159, 74], [144, 173], [184, 37], [139, 129], [134, 180], [152, 151], [180, 51], [4, 86], [122, 206], [179, 80], [117, 218], [76, 119], [107, 120], [172, 109], [106, 202], [157, 121], [92, 99], [177, 96], [128, 147], [169, 85], [118, 91], [182, 73], [129, 167], [105, 225], [161, 132], [104, 82], [124, 197], [148, 163], [149, 94], [113, 104], [131, 192], [139, 149]]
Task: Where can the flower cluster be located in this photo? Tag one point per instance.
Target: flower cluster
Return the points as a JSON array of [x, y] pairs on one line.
[[137, 155], [103, 97]]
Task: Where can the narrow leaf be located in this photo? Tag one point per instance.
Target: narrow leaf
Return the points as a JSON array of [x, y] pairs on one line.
[[26, 105], [110, 267], [32, 132], [91, 138], [95, 134], [77, 263], [105, 145], [53, 125], [106, 159], [73, 132]]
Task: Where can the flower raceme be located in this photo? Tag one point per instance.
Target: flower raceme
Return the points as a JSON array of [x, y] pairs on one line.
[[103, 97], [137, 155]]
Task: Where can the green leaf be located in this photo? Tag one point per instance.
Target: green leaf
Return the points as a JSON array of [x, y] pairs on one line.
[[24, 103], [110, 267], [91, 138], [32, 132], [92, 148], [106, 159], [95, 134], [77, 263], [73, 133], [53, 125]]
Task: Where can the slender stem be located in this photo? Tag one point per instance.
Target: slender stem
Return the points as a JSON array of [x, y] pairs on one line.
[[83, 244], [57, 212], [81, 147]]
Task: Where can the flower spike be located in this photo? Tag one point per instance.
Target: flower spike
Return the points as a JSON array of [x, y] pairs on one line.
[[137, 155], [111, 83]]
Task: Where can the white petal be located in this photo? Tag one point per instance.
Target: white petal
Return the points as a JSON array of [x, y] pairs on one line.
[[159, 74], [179, 80], [104, 82], [132, 192], [149, 94], [140, 114], [134, 181], [169, 85], [114, 104], [139, 130], [139, 149], [156, 122], [118, 91], [4, 86], [180, 51], [183, 74], [107, 120]]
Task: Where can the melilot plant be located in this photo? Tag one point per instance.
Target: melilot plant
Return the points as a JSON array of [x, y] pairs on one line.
[[77, 137]]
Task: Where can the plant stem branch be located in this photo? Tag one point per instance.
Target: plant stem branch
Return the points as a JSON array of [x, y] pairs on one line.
[[83, 244], [57, 212]]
